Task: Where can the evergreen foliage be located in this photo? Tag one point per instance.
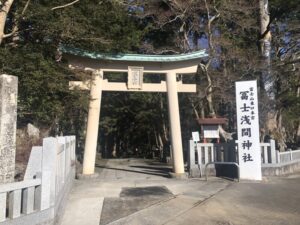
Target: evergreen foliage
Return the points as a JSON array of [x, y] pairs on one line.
[[31, 54], [228, 29]]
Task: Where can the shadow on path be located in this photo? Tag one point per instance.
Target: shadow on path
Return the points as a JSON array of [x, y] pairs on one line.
[[165, 170], [148, 171]]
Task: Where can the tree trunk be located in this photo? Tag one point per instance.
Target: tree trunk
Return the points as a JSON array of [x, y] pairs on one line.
[[298, 133], [3, 15], [161, 144], [280, 132], [265, 48], [209, 96], [265, 34], [164, 127], [273, 117], [114, 150]]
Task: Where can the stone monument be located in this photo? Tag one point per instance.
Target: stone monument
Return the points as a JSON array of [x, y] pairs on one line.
[[248, 130], [8, 119]]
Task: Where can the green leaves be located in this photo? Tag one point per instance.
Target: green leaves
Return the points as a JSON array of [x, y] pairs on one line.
[[43, 82], [164, 27], [131, 116]]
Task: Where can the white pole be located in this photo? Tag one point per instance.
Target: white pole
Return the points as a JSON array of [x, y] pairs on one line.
[[93, 123], [174, 118]]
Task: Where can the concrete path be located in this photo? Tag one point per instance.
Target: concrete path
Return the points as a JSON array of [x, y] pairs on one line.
[[139, 192]]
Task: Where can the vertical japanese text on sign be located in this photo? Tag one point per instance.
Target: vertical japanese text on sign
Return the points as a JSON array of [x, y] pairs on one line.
[[135, 77], [248, 130]]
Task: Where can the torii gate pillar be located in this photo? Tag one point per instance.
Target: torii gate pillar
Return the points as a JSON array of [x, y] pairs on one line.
[[174, 118], [94, 115], [93, 123]]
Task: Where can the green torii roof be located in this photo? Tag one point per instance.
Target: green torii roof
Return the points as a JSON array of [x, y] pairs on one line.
[[134, 57]]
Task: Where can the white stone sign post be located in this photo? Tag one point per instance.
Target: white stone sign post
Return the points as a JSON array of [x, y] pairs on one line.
[[248, 130]]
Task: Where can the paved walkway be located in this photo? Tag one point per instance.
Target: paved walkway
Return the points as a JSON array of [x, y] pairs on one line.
[[137, 192]]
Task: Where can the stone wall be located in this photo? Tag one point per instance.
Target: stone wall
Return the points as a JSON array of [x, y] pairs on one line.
[[8, 119], [37, 200], [281, 168]]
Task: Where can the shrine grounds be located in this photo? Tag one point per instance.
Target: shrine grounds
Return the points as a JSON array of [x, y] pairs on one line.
[[138, 192]]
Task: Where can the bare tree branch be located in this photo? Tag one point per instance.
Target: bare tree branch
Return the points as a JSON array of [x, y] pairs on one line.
[[209, 22], [15, 29], [289, 62], [64, 6], [25, 7]]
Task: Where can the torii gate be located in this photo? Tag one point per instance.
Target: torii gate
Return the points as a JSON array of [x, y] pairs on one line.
[[136, 66]]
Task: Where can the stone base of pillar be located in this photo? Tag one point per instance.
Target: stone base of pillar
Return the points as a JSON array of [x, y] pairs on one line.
[[81, 176], [179, 175]]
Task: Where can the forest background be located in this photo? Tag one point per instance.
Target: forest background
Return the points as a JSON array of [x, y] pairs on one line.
[[245, 40]]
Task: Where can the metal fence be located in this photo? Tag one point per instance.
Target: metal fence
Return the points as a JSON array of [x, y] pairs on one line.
[[201, 154]]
